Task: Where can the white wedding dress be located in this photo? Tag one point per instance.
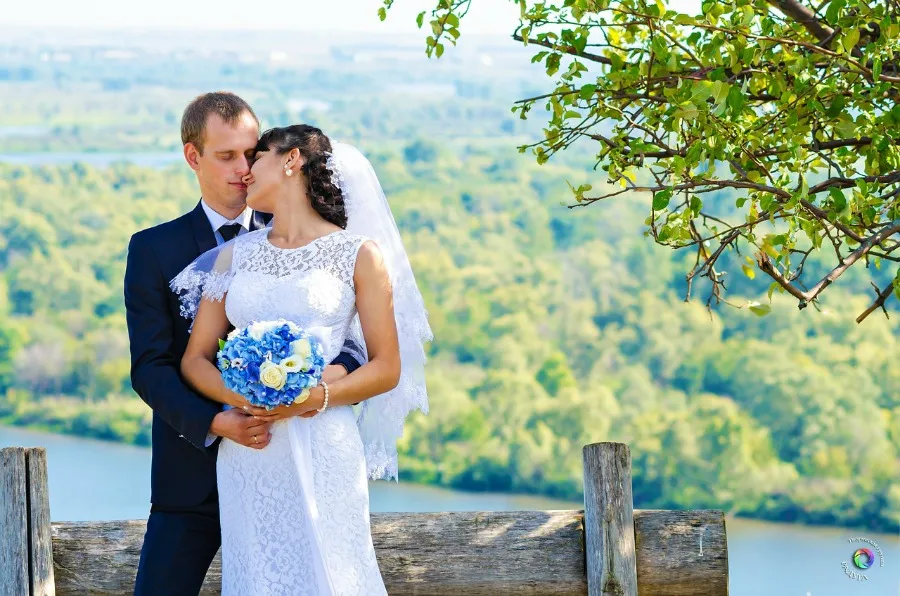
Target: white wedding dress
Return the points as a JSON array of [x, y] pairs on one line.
[[295, 515]]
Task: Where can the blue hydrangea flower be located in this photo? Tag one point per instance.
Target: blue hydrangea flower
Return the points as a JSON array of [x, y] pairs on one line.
[[291, 365]]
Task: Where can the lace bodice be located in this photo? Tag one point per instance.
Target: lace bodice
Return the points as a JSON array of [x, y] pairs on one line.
[[311, 285]]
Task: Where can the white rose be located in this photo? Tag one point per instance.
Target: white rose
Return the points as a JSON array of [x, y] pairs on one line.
[[293, 364], [304, 395], [272, 375], [301, 349]]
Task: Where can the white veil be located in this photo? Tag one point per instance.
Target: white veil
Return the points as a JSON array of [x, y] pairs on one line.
[[381, 418]]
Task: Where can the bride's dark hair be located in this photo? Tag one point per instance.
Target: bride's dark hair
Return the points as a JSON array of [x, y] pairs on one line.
[[314, 146]]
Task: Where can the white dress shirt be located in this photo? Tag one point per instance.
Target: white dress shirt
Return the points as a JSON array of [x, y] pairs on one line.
[[217, 220]]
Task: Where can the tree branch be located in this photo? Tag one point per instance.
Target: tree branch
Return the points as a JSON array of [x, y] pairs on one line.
[[881, 297], [803, 15], [765, 264], [565, 49]]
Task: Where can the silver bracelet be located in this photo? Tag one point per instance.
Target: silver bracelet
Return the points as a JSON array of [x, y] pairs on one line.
[[325, 403]]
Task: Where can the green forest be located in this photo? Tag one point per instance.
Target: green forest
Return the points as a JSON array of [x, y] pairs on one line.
[[554, 327]]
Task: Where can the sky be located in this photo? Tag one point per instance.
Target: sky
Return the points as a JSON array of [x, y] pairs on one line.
[[485, 16]]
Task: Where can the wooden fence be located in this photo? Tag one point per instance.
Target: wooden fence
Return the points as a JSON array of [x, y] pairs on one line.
[[608, 549]]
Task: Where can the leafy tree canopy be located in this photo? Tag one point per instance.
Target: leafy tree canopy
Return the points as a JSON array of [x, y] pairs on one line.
[[794, 103]]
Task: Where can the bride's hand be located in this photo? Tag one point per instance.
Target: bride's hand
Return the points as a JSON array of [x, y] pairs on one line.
[[273, 415], [238, 401], [332, 373], [306, 408]]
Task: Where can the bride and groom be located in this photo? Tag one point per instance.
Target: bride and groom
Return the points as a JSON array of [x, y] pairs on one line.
[[284, 491]]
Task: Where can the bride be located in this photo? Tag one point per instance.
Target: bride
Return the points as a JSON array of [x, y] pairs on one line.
[[295, 515]]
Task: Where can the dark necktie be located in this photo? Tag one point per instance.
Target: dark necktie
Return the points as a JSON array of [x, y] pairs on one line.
[[229, 231]]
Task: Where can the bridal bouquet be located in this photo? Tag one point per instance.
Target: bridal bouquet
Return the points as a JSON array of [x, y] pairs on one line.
[[271, 363]]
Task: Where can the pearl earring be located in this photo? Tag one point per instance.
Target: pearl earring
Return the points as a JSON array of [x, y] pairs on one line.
[[288, 171]]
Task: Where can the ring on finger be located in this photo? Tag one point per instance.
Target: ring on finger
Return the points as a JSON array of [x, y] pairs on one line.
[[255, 440]]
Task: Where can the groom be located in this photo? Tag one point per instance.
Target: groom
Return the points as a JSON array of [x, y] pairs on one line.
[[219, 132]]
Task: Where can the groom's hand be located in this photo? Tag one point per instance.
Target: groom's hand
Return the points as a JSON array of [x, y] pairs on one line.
[[241, 428]]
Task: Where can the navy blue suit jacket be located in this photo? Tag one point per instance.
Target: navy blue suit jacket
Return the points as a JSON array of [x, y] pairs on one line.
[[183, 469]]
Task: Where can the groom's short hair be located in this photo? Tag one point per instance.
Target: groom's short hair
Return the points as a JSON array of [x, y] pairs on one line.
[[228, 106]]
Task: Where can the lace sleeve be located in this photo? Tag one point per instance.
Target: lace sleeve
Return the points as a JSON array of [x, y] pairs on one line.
[[208, 276]]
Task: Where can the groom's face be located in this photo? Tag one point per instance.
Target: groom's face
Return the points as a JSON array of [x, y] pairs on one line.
[[226, 158]]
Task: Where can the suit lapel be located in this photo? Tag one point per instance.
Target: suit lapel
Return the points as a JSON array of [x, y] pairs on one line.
[[259, 220], [203, 232]]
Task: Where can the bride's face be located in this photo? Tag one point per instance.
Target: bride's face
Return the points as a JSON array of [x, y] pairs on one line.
[[267, 178]]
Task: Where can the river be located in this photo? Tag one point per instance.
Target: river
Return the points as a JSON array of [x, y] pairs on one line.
[[98, 480]]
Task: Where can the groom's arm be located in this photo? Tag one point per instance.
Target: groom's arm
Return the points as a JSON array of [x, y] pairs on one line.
[[346, 358], [155, 373]]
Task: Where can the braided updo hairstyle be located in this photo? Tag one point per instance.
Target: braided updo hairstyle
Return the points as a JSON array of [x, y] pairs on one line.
[[314, 146]]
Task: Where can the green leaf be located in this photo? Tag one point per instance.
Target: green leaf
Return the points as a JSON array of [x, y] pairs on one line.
[[661, 200], [736, 100], [850, 39], [749, 271], [758, 309], [840, 201], [696, 205], [876, 68], [833, 12], [617, 62], [748, 16], [687, 112], [221, 343], [720, 91], [700, 91], [836, 107], [552, 64], [439, 49], [587, 91], [579, 192], [580, 43], [420, 19], [382, 13]]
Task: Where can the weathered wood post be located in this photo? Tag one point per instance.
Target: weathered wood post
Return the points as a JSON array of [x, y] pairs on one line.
[[26, 558], [609, 520], [13, 523]]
